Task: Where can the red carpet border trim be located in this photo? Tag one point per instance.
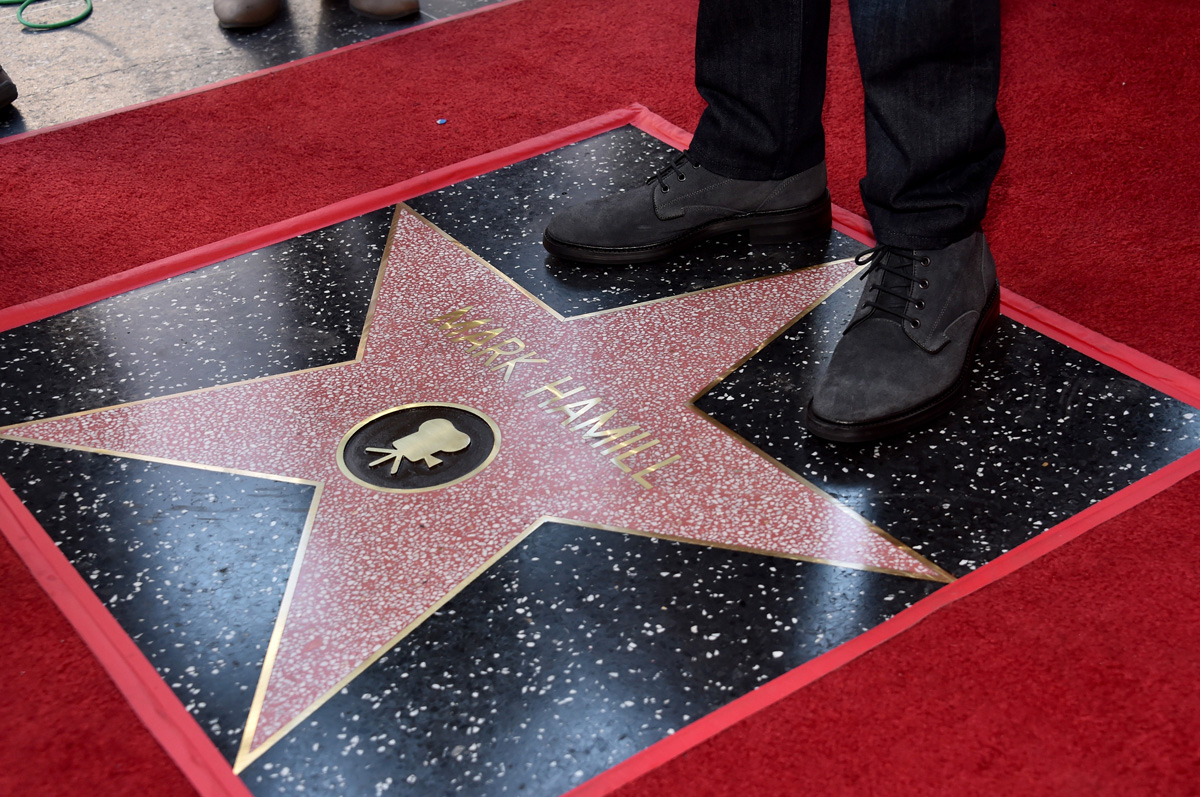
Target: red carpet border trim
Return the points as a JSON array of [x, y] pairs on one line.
[[148, 694], [36, 310], [1158, 375], [183, 738], [762, 698], [259, 72]]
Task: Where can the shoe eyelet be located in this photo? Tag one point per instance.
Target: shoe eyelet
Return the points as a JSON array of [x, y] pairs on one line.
[[682, 177], [923, 283], [666, 190], [920, 304], [916, 323], [925, 261]]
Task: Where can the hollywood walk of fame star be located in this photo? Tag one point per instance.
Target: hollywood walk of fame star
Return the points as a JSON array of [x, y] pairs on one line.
[[374, 564]]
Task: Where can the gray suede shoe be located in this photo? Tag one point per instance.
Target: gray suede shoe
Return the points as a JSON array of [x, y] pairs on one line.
[[905, 356], [684, 204]]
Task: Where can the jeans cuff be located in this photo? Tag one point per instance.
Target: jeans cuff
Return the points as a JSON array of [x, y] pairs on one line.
[[905, 240], [743, 171]]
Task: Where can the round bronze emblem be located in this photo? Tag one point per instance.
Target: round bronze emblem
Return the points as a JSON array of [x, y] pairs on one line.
[[418, 447]]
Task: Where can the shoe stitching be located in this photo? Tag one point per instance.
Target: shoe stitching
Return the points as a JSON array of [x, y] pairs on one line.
[[937, 324], [683, 197], [782, 185]]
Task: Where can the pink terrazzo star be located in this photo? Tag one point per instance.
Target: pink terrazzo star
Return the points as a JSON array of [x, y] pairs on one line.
[[374, 563]]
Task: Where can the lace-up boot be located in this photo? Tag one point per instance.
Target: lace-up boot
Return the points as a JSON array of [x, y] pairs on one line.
[[684, 204], [905, 356]]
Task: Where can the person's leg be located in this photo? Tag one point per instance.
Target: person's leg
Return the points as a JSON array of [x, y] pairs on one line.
[[931, 73], [757, 161], [934, 143], [761, 69]]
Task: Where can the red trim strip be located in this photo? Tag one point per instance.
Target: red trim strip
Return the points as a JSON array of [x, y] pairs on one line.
[[183, 738], [649, 122], [257, 73], [148, 694], [21, 314], [711, 725], [1156, 374], [853, 225], [151, 698]]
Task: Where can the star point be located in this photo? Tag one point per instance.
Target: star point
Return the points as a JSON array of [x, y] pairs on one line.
[[594, 424]]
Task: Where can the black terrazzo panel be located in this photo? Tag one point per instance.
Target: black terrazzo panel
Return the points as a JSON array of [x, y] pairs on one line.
[[297, 304], [574, 651], [1043, 432], [193, 564], [501, 216]]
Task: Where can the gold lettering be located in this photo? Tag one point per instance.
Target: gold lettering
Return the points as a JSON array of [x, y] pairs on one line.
[[618, 459], [456, 327], [459, 327], [479, 338], [576, 408], [631, 440], [449, 319], [497, 351], [510, 365], [552, 388], [597, 429], [641, 475]]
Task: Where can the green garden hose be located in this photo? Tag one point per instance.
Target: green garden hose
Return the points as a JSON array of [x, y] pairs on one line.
[[46, 25]]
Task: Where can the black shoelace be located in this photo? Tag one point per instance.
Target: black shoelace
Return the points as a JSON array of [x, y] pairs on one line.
[[883, 258], [672, 166]]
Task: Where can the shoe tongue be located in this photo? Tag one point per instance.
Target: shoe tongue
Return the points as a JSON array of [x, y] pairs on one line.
[[895, 282]]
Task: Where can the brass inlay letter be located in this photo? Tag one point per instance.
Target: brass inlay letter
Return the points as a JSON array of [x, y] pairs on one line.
[[575, 409], [552, 388], [496, 351], [607, 435], [617, 460], [641, 475], [511, 364], [633, 439], [479, 338], [449, 319], [459, 327]]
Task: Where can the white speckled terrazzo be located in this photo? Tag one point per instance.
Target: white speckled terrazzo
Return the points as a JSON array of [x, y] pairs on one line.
[[561, 644], [376, 561]]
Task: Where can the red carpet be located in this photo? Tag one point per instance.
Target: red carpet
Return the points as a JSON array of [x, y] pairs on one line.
[[1074, 675]]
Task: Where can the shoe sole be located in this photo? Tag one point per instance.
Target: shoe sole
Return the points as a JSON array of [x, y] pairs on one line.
[[897, 424], [773, 227]]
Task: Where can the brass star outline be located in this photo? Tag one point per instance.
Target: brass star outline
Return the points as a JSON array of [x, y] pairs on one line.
[[249, 751]]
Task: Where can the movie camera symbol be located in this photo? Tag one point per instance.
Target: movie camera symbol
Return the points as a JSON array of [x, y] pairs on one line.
[[437, 436]]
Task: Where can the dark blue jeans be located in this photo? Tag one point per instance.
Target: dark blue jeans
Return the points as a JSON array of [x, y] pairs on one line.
[[930, 71]]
